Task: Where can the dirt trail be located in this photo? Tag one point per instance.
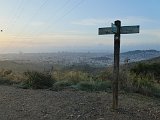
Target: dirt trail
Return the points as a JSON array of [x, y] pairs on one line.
[[22, 104]]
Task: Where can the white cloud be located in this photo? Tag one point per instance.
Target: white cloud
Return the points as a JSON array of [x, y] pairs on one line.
[[125, 21]]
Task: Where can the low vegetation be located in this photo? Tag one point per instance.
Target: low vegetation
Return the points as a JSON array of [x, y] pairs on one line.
[[8, 77], [94, 85], [37, 80], [79, 80], [151, 70], [146, 78], [142, 78]]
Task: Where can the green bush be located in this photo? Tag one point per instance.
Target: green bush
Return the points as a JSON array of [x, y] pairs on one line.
[[76, 76], [72, 76], [94, 85], [103, 75], [37, 80], [152, 69], [4, 81], [142, 81], [59, 85], [156, 90], [142, 84]]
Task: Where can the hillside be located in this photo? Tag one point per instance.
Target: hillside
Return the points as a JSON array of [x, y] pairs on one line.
[[147, 61], [141, 51], [153, 60], [139, 55]]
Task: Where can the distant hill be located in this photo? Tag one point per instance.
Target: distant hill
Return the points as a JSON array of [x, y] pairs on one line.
[[140, 51], [139, 55], [148, 60], [156, 59], [152, 60]]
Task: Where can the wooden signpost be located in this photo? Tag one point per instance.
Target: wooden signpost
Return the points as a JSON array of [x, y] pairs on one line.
[[117, 29]]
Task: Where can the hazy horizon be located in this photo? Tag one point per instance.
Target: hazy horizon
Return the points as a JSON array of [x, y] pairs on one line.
[[50, 52]]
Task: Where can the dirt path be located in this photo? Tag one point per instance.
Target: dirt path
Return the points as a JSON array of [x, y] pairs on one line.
[[21, 104]]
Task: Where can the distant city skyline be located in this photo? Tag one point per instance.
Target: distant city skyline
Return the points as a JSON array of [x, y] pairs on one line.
[[72, 25]]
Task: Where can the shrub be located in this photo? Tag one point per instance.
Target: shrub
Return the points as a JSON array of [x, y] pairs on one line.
[[76, 76], [38, 80], [4, 81], [94, 85], [9, 77], [156, 90], [142, 81], [152, 69], [73, 77], [59, 85], [142, 84], [5, 72], [105, 75]]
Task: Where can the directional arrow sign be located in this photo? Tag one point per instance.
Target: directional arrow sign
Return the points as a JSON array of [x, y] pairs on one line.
[[129, 29], [124, 30], [106, 30]]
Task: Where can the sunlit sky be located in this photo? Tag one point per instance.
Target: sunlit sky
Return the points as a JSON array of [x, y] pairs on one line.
[[72, 25]]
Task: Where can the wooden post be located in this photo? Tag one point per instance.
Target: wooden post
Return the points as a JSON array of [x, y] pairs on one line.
[[117, 29], [116, 65]]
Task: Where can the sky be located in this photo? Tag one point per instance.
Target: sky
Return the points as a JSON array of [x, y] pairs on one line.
[[72, 25]]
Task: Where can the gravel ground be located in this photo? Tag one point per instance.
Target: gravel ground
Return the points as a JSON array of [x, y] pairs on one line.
[[25, 104]]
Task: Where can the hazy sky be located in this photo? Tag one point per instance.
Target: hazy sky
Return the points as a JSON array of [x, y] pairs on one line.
[[72, 25]]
